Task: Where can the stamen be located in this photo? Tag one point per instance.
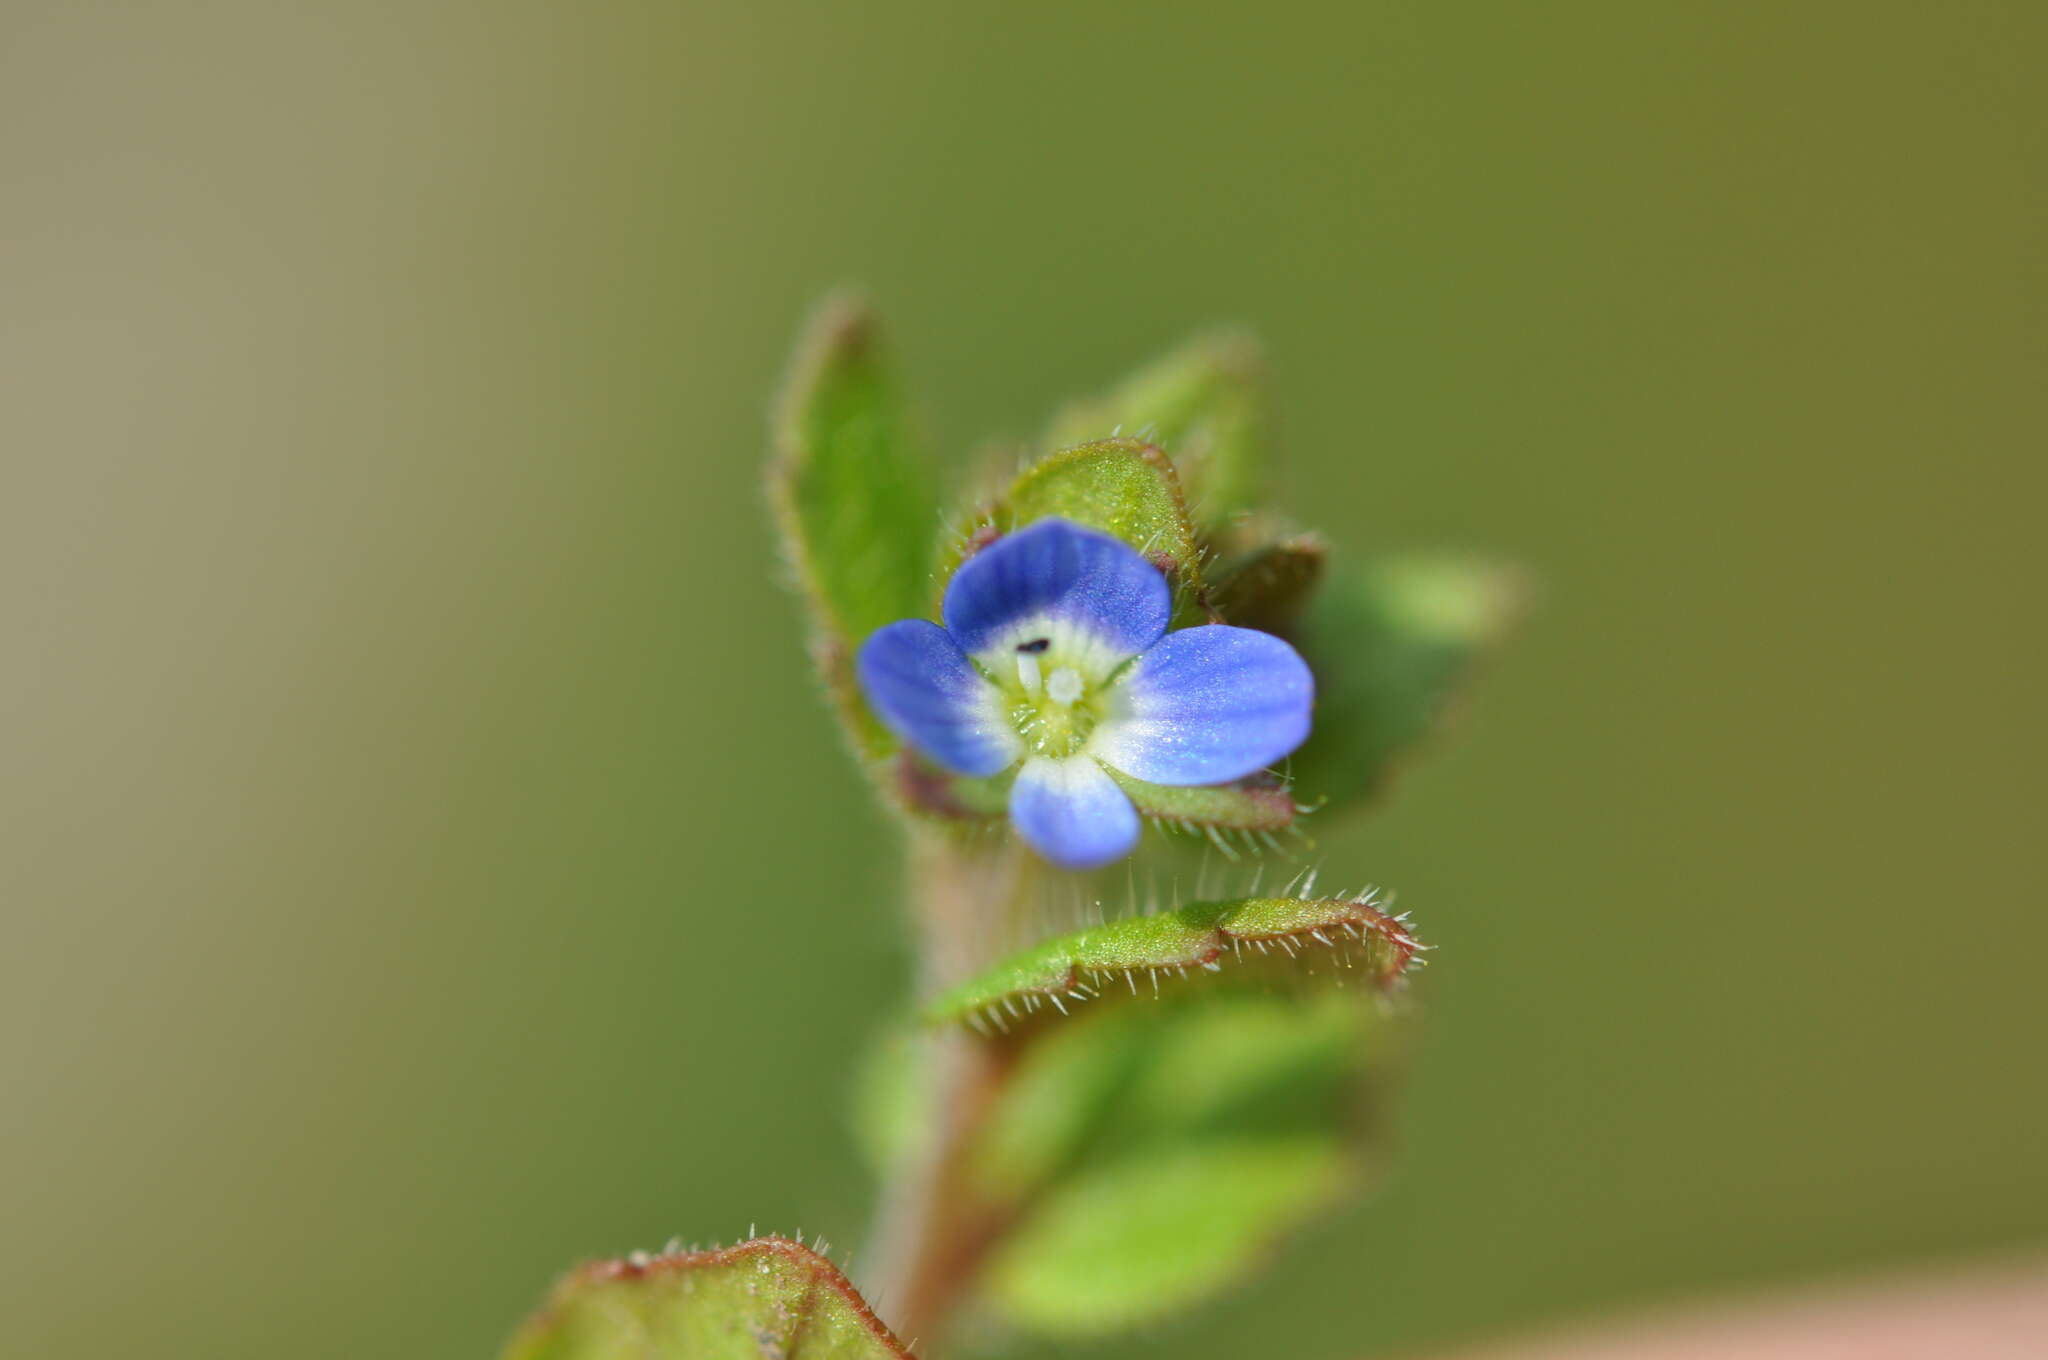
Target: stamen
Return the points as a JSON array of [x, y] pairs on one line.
[[1027, 671]]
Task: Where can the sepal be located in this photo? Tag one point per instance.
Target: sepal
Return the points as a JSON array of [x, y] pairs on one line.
[[1240, 817], [1206, 405], [1123, 487]]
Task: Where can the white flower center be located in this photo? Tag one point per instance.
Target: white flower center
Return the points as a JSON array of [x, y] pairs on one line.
[[1055, 681]]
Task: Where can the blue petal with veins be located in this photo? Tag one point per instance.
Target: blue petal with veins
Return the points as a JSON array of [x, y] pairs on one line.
[[1056, 569], [1208, 705], [923, 686], [1072, 812]]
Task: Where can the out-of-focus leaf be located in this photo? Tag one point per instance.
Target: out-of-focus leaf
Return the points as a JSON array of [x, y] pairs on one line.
[[1176, 1139], [1135, 1240], [892, 1098], [1277, 938], [1064, 1088], [1269, 586], [1205, 405], [1145, 1155], [1391, 644], [1250, 1063], [1183, 1088], [854, 499], [1232, 1062], [768, 1299]]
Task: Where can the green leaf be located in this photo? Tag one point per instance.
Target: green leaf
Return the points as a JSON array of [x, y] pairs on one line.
[[891, 1097], [854, 499], [1250, 1063], [1121, 486], [1205, 404], [1066, 1086], [1143, 1156], [1391, 645], [768, 1299], [1282, 938], [1183, 1088], [1141, 1238]]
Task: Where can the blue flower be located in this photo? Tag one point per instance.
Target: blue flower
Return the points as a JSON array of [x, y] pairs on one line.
[[1055, 659]]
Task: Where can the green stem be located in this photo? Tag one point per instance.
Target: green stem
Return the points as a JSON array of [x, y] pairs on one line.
[[932, 1231]]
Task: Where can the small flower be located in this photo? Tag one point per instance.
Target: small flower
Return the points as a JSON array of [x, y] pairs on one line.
[[1055, 659]]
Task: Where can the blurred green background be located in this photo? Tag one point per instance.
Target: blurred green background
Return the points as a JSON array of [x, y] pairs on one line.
[[425, 865]]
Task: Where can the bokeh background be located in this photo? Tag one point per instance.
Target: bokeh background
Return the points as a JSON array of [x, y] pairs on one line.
[[424, 863]]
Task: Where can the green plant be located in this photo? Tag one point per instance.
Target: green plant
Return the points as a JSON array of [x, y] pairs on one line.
[[1142, 675]]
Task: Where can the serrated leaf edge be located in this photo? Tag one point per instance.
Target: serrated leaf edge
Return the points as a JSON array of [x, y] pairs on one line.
[[1335, 926]]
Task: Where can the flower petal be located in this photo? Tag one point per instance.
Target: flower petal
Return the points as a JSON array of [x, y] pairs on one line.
[[1072, 812], [1056, 570], [1207, 705], [923, 686]]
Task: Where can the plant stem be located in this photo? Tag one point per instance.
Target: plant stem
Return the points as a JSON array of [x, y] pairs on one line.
[[932, 1232]]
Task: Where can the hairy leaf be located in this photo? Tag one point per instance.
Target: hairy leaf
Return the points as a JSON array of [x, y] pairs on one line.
[[1121, 486], [1247, 810], [854, 499], [1281, 937], [768, 1299], [1391, 645], [1205, 405], [1182, 1089]]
